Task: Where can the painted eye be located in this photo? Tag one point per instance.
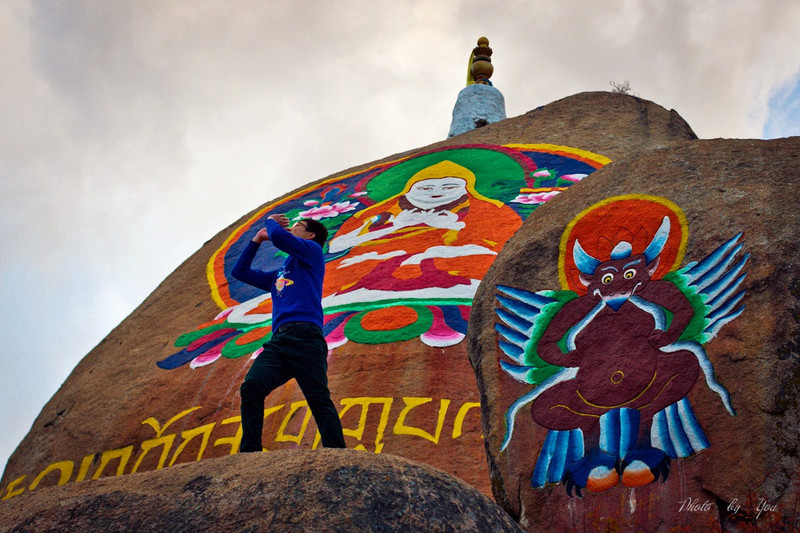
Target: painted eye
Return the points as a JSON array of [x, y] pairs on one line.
[[607, 278], [629, 274]]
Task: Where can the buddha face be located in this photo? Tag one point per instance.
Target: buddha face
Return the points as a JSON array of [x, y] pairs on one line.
[[431, 193]]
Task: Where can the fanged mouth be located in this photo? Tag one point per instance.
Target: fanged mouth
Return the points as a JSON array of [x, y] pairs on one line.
[[615, 301]]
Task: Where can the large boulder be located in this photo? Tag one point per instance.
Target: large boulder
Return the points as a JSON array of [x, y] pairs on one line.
[[596, 406], [162, 388], [325, 490], [611, 124]]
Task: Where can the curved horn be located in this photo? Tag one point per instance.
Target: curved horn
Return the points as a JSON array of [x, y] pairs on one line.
[[585, 262], [657, 244]]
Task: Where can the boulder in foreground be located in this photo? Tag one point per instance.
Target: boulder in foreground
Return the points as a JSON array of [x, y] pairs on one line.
[[322, 490]]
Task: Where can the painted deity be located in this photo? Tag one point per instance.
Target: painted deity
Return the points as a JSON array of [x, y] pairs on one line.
[[438, 234], [614, 361]]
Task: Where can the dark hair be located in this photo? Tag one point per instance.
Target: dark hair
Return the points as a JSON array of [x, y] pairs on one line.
[[318, 229]]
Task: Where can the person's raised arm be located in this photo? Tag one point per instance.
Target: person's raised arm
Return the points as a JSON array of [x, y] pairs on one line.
[[304, 250], [243, 270]]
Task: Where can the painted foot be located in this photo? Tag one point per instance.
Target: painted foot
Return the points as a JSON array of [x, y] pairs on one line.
[[596, 472], [643, 466]]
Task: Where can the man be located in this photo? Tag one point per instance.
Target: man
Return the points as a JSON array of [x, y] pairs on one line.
[[297, 348]]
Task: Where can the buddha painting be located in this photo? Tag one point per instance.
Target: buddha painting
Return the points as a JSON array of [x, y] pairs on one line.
[[410, 241], [438, 236]]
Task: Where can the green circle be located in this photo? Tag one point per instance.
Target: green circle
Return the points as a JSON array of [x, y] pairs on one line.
[[497, 175], [354, 332]]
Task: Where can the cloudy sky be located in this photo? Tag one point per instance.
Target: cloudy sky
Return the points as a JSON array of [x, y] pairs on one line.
[[131, 132]]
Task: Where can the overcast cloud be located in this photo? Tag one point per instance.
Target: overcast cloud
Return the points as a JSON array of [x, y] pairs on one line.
[[131, 132]]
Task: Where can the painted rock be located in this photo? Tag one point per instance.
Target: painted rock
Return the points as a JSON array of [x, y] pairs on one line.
[[636, 346], [411, 239], [329, 490]]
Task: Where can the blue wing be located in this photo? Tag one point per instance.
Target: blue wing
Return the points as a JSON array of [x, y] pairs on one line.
[[717, 279], [520, 326], [523, 319]]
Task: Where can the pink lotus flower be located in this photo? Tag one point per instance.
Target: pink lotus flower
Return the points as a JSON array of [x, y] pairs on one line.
[[328, 210], [574, 178], [534, 197]]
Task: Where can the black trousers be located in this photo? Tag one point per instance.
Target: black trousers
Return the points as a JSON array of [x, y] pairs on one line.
[[298, 351]]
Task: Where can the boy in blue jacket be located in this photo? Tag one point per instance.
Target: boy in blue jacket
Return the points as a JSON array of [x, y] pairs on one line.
[[297, 348]]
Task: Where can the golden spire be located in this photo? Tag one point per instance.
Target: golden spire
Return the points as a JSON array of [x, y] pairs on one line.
[[480, 63]]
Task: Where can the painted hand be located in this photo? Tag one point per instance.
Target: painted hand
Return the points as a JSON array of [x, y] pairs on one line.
[[408, 217], [659, 339], [443, 220]]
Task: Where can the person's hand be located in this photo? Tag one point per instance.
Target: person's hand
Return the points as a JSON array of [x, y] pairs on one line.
[[280, 219], [261, 236]]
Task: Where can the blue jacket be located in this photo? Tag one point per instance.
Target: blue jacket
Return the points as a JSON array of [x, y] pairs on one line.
[[296, 287]]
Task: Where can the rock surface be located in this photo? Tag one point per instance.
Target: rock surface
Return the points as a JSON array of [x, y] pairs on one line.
[[118, 413], [747, 478], [325, 490], [614, 125]]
